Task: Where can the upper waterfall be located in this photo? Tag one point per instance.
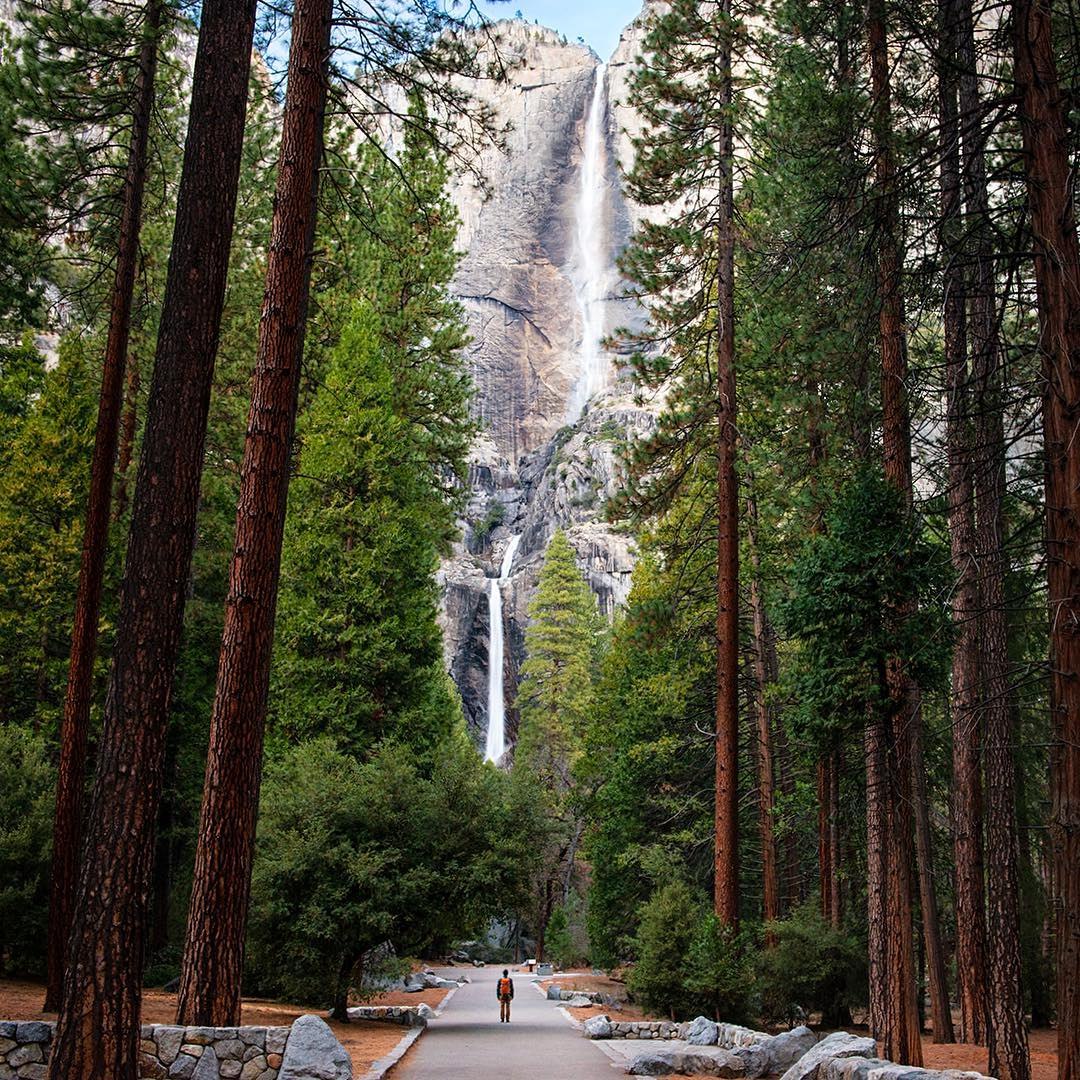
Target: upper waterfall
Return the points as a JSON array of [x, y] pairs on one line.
[[592, 256]]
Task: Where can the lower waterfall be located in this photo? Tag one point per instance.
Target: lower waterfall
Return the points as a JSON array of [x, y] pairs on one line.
[[496, 730]]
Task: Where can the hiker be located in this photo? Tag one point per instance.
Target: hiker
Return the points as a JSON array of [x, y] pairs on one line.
[[504, 991]]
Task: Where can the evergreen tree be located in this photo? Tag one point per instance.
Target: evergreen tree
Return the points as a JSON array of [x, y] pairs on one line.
[[555, 701]]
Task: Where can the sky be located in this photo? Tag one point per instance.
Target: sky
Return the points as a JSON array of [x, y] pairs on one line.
[[599, 22]]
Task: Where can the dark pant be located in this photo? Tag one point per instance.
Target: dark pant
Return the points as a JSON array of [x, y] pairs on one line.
[[504, 1009]]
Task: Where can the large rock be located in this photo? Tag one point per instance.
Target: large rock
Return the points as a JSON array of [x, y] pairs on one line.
[[837, 1045], [778, 1053], [313, 1053], [598, 1027], [701, 1032], [554, 993], [851, 1068], [703, 1061]]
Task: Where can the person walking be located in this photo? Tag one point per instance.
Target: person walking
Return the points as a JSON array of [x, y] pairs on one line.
[[504, 991]]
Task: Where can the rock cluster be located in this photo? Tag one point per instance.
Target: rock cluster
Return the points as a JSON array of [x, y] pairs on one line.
[[307, 1051], [739, 1052], [405, 1015], [576, 999]]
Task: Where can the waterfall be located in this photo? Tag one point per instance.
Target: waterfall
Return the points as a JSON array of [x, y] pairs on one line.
[[496, 731], [591, 263]]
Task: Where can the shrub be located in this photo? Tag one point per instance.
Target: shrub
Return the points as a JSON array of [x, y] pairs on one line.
[[668, 924], [719, 975], [27, 785], [814, 967]]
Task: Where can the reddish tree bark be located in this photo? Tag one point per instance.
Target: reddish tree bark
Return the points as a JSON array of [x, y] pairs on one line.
[[899, 1019], [763, 713], [966, 804], [97, 1036], [1057, 275], [74, 727], [726, 864], [876, 871], [127, 435], [214, 950]]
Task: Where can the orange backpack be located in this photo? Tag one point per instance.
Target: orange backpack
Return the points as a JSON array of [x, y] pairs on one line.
[[504, 988]]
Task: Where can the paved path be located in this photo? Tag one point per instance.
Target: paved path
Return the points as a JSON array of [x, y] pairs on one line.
[[468, 1040]]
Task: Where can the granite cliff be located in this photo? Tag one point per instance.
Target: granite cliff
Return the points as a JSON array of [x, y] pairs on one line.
[[540, 288]]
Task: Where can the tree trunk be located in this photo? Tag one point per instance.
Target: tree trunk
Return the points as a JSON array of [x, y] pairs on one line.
[[726, 881], [127, 436], [214, 949], [825, 857], [1057, 276], [763, 713], [966, 802], [900, 1033], [98, 1031], [74, 728], [836, 907], [876, 840]]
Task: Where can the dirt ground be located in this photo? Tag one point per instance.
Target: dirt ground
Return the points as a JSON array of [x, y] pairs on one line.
[[1043, 1044], [366, 1041]]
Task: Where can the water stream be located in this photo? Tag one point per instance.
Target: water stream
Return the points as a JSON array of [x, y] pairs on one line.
[[496, 731], [592, 263]]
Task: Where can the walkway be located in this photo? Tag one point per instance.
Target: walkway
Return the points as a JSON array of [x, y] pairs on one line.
[[468, 1040]]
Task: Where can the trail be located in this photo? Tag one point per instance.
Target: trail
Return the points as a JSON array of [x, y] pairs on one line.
[[468, 1040]]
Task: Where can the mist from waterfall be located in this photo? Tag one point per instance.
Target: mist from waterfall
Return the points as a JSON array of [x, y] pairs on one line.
[[591, 271], [496, 730]]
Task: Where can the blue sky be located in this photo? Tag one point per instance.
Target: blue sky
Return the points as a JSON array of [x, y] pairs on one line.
[[599, 22]]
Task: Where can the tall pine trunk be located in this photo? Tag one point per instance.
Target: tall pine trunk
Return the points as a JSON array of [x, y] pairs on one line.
[[726, 880], [1057, 276], [217, 918], [899, 1019], [97, 1036], [74, 728], [763, 712], [966, 804]]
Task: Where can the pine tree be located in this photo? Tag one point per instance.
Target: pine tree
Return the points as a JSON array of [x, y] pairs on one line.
[[1044, 128], [98, 1029], [74, 731], [685, 266], [555, 699], [214, 948]]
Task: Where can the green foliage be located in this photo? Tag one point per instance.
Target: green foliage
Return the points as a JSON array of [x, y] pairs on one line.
[[645, 764], [352, 855], [855, 588], [718, 971], [27, 782], [669, 924], [383, 442], [492, 519], [813, 967], [44, 466]]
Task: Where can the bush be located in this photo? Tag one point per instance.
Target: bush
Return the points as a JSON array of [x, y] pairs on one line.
[[27, 786], [668, 925], [718, 974], [814, 967]]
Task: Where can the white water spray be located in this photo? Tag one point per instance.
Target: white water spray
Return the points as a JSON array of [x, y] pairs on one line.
[[591, 269], [496, 730]]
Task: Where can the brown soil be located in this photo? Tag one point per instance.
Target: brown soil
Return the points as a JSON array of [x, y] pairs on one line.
[[366, 1041], [1042, 1041]]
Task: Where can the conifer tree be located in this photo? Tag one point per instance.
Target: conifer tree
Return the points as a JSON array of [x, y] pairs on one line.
[[214, 948], [684, 266], [97, 1034], [555, 699]]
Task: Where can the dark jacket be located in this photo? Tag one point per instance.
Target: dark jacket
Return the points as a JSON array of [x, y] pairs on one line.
[[498, 988]]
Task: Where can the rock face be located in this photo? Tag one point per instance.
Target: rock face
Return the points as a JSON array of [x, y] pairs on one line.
[[837, 1045], [538, 465]]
